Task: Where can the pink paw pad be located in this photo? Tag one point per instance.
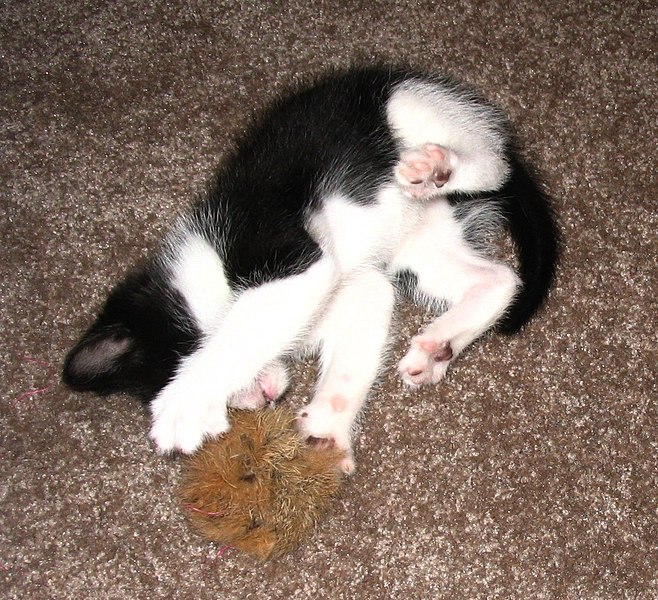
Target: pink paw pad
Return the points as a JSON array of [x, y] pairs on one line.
[[425, 170], [439, 351], [426, 362], [270, 392], [273, 382]]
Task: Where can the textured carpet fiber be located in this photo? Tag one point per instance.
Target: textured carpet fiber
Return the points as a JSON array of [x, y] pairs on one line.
[[529, 473]]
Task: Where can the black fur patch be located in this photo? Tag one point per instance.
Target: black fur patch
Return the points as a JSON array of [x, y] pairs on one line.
[[333, 137]]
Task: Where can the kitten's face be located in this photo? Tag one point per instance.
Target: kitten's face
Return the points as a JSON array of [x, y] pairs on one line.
[[133, 346]]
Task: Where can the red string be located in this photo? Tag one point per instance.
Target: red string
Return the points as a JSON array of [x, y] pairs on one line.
[[223, 550], [38, 361], [206, 562], [43, 390]]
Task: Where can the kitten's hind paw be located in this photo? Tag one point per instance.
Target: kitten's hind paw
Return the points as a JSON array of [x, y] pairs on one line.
[[426, 362], [425, 170], [346, 464]]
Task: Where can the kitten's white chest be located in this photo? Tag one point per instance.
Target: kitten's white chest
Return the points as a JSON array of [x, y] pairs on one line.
[[359, 236]]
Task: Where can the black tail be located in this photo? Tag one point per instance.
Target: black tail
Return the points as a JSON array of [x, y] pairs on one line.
[[534, 230]]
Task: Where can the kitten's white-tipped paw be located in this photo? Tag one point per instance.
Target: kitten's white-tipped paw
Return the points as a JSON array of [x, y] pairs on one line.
[[323, 427], [251, 398], [181, 422], [347, 464], [426, 362], [273, 381]]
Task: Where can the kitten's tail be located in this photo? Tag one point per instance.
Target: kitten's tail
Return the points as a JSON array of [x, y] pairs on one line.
[[533, 226]]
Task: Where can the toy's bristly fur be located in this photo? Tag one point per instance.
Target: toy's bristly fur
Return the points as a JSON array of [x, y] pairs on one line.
[[260, 488]]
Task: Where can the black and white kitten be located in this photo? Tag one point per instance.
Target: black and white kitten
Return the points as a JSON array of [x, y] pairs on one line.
[[365, 179]]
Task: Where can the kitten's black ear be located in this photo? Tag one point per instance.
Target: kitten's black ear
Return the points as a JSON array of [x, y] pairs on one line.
[[136, 342], [95, 363]]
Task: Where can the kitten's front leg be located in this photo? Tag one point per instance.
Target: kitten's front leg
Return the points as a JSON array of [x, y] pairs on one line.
[[189, 409], [262, 324], [353, 335]]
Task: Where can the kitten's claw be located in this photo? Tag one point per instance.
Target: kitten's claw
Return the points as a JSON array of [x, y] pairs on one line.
[[425, 170], [426, 361]]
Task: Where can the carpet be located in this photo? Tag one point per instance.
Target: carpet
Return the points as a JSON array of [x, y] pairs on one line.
[[530, 472]]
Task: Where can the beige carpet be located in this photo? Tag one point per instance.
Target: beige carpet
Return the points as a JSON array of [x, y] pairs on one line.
[[530, 473]]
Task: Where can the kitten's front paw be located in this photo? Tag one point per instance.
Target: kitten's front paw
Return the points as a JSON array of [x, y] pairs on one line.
[[425, 170], [182, 420], [426, 361], [347, 464]]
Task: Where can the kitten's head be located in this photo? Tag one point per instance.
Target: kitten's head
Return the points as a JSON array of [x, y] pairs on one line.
[[135, 343]]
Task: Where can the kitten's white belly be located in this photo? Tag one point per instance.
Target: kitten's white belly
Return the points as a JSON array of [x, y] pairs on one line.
[[361, 236]]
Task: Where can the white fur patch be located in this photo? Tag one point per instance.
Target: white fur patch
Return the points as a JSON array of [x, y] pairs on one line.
[[198, 274], [353, 333], [477, 289], [360, 236]]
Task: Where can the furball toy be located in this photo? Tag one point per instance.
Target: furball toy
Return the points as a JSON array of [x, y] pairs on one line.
[[260, 488]]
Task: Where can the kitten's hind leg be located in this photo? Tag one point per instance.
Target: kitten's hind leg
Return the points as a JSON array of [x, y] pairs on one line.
[[262, 324], [353, 337], [477, 290], [423, 171]]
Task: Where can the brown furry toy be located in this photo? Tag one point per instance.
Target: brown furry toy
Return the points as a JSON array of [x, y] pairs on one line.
[[260, 488]]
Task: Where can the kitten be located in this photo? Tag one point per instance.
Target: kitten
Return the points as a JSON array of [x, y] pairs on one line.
[[366, 180]]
